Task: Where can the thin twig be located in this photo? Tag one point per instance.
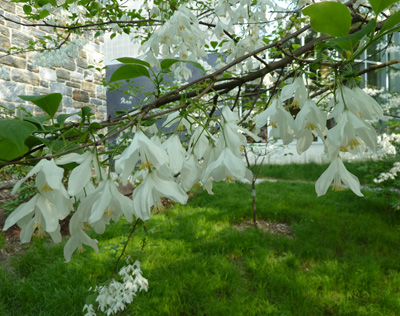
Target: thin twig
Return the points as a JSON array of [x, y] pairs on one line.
[[126, 244]]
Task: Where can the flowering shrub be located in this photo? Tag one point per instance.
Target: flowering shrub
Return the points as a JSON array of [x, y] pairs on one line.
[[190, 133]]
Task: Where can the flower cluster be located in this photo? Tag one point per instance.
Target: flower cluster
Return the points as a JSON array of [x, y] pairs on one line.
[[115, 296], [391, 174], [352, 110], [179, 36], [57, 56]]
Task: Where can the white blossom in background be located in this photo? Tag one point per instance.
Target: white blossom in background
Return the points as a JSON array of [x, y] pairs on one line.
[[179, 36], [391, 174], [115, 296], [57, 56]]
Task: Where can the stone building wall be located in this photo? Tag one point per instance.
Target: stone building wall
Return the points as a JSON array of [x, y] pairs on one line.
[[79, 85]]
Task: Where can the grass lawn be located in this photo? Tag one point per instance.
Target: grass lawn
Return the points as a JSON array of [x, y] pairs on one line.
[[343, 259]]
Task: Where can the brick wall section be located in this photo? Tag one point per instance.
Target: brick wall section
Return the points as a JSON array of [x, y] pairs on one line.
[[79, 85]]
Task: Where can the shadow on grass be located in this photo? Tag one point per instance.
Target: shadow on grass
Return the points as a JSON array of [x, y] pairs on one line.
[[344, 259]]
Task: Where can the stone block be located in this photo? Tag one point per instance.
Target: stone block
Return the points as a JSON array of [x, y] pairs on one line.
[[38, 34], [96, 101], [101, 116], [69, 64], [20, 75], [40, 90], [83, 54], [88, 76], [20, 39], [76, 75], [44, 83], [80, 96], [89, 87], [72, 111], [63, 74], [8, 6], [32, 68], [5, 43], [47, 29], [102, 108], [13, 61], [79, 105], [73, 84], [5, 74], [67, 102], [10, 91], [4, 31], [47, 74], [57, 87], [68, 91], [82, 63]]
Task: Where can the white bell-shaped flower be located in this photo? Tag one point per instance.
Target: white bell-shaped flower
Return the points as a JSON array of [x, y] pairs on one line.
[[106, 199], [299, 89], [310, 122], [280, 120], [336, 174], [81, 175], [143, 149], [78, 237], [190, 173], [156, 184], [351, 133], [42, 214], [49, 171], [364, 105], [228, 167], [176, 153]]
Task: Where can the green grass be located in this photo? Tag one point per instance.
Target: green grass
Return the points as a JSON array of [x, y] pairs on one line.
[[309, 171], [343, 260]]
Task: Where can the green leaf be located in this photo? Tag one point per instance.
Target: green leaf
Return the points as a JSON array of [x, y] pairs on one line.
[[349, 41], [37, 120], [130, 60], [27, 9], [62, 117], [129, 71], [94, 125], [379, 5], [149, 122], [32, 141], [58, 145], [13, 134], [91, 299], [121, 112], [391, 22], [43, 14], [48, 103], [329, 17], [167, 63], [86, 111]]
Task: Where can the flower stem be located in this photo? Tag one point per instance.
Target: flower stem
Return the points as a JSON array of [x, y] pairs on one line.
[[123, 250]]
